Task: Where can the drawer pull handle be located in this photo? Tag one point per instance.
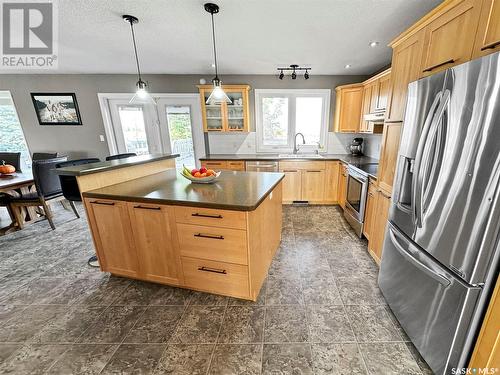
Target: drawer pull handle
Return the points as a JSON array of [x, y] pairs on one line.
[[213, 237], [214, 270], [148, 208], [206, 215], [313, 171], [104, 203], [431, 68], [491, 45], [289, 170]]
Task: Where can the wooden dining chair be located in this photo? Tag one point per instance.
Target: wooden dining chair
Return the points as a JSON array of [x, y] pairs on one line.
[[48, 190]]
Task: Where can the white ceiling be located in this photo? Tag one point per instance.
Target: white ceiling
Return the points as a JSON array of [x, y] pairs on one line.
[[254, 36]]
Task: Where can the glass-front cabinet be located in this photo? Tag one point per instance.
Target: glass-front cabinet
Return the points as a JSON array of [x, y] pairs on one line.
[[226, 117]]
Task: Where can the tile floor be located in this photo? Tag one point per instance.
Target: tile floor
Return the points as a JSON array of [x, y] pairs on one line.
[[320, 311]]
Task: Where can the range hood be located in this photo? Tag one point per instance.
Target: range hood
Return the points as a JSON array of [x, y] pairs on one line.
[[376, 117]]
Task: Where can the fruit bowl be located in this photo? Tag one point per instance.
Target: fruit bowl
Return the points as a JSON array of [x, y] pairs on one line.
[[186, 173]]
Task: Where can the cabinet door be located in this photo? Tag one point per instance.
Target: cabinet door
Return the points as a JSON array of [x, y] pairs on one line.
[[112, 233], [342, 185], [332, 181], [405, 69], [370, 210], [235, 165], [383, 92], [488, 33], [313, 185], [213, 114], [216, 165], [236, 112], [292, 185], [389, 155], [152, 226], [348, 109], [383, 203], [449, 39], [365, 126]]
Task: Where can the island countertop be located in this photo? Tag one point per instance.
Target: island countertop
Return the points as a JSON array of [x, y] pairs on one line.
[[103, 166], [239, 191]]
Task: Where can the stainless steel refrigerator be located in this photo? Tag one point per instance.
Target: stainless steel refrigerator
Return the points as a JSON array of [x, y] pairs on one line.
[[441, 253]]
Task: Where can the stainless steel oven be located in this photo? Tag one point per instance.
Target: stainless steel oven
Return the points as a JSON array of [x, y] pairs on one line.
[[357, 188]]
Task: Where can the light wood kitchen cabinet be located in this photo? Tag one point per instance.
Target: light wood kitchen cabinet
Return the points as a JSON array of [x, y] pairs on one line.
[[348, 103], [342, 184], [488, 33], [370, 209], [375, 94], [292, 185], [449, 39], [405, 69], [233, 165], [378, 225], [332, 182], [225, 117], [313, 185], [224, 165], [153, 228], [111, 230], [486, 354], [388, 155], [383, 91], [366, 126]]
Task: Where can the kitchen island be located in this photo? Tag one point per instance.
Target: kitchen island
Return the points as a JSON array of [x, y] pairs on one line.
[[218, 238]]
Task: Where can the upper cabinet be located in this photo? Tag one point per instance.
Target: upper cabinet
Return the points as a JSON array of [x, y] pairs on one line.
[[375, 94], [348, 103], [225, 117], [449, 39], [488, 32]]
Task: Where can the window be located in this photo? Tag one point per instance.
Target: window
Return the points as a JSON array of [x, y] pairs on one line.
[[11, 133], [280, 114], [134, 129]]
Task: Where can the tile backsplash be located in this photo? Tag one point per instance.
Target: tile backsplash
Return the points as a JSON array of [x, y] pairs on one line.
[[245, 143]]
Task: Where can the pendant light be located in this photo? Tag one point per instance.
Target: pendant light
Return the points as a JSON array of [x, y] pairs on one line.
[[218, 95], [142, 95]]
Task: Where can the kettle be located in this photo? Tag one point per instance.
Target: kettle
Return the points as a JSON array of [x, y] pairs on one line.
[[356, 147]]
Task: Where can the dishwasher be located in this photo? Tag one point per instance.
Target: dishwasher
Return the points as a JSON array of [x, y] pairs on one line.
[[262, 166]]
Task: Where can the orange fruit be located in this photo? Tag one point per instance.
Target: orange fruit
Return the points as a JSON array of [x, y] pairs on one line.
[[203, 175], [197, 174], [211, 172]]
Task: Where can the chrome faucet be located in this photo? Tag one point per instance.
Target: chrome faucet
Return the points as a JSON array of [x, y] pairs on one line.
[[295, 147]]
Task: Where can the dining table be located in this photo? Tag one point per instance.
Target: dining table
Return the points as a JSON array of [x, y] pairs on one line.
[[18, 184]]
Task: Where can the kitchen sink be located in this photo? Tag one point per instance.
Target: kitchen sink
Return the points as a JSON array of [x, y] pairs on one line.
[[301, 156]]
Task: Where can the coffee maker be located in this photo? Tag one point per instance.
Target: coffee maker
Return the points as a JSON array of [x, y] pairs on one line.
[[356, 147]]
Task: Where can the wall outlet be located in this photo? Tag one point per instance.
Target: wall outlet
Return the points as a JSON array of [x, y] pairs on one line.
[[101, 137]]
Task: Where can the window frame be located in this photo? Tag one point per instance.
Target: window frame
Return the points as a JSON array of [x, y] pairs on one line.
[[292, 95]]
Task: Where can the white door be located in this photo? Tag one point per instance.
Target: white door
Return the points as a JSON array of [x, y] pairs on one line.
[[134, 128], [181, 128]]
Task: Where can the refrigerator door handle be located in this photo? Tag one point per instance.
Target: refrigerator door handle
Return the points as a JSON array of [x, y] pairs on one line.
[[416, 185], [410, 256]]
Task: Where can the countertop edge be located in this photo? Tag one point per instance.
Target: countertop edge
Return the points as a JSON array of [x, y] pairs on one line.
[[67, 172], [92, 194]]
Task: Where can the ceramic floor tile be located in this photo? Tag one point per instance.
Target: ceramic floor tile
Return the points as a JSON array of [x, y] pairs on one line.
[[32, 359], [285, 324], [389, 359], [261, 298], [134, 359], [138, 293], [207, 299], [338, 359], [199, 324], [6, 350], [287, 359], [8, 311], [236, 360], [32, 293], [372, 323], [105, 291], [168, 296], [112, 325], [329, 324], [424, 367], [321, 291], [83, 359], [359, 290], [242, 324], [185, 360], [156, 325], [282, 291]]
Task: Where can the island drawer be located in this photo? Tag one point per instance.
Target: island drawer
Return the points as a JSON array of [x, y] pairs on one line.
[[220, 244], [216, 277], [211, 217]]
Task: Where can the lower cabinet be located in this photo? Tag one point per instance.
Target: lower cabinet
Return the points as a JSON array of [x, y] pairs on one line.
[[153, 227], [369, 210], [313, 185], [111, 230], [292, 185], [224, 165], [378, 225], [342, 184]]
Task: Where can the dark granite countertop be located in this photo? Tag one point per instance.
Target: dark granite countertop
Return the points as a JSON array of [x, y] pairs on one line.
[[102, 166], [239, 191], [369, 170], [346, 158]]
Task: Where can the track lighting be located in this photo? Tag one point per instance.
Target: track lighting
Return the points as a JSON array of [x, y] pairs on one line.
[[294, 68]]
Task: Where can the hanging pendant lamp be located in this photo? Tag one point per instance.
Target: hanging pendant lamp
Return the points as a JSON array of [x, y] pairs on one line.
[[142, 95], [218, 95]]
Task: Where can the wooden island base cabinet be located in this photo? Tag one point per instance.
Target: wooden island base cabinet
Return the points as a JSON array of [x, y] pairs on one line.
[[220, 251]]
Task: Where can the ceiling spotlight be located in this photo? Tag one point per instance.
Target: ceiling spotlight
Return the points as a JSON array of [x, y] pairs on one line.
[[374, 44], [294, 75], [294, 68], [281, 75], [306, 75], [347, 66]]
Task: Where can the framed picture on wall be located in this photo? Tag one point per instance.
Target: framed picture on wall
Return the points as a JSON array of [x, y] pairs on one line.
[[56, 108]]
